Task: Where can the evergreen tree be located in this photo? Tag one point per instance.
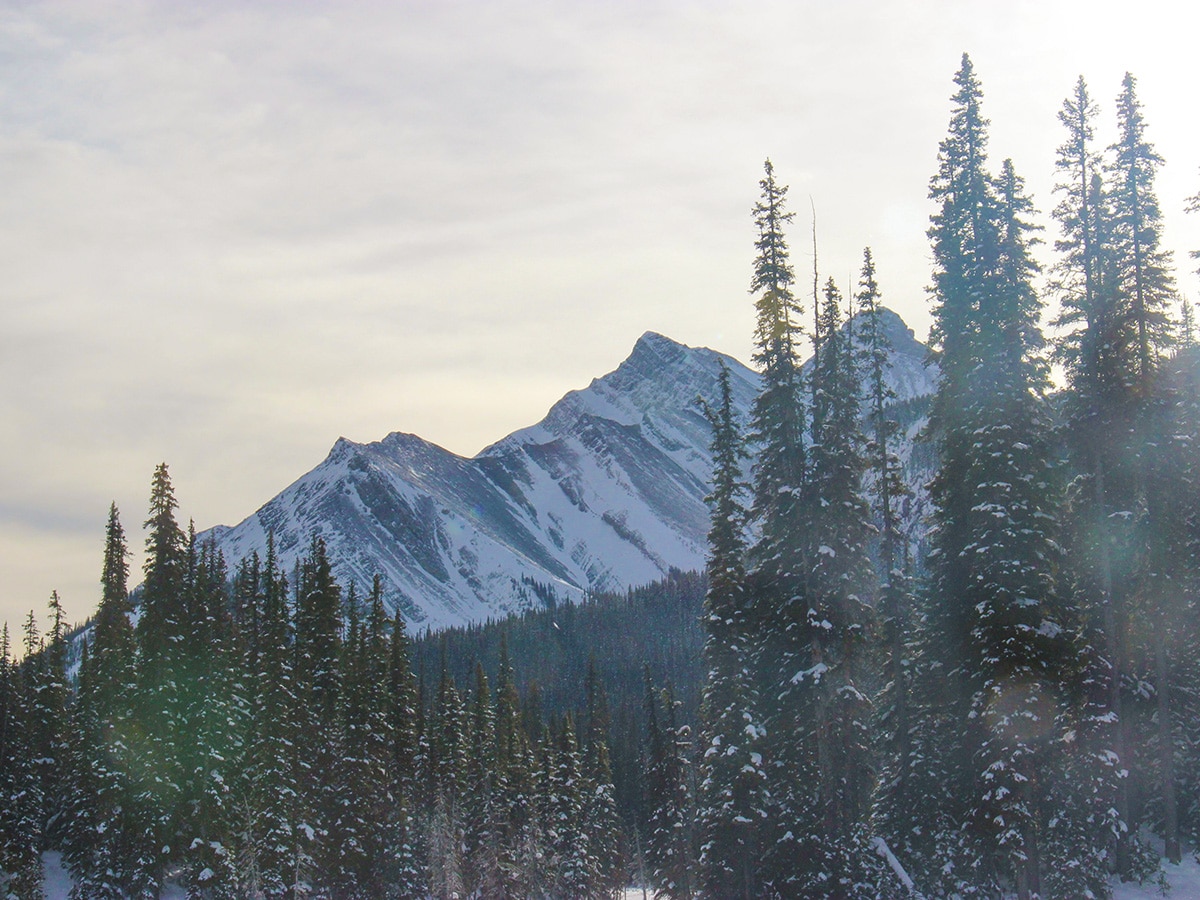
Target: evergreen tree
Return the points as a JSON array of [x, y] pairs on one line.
[[160, 728], [823, 742], [50, 714], [481, 827], [1187, 324], [20, 791], [1142, 267], [895, 600], [514, 788], [443, 824], [605, 876], [1079, 271], [1098, 409], [567, 838], [777, 422], [1146, 289], [995, 554], [369, 825], [318, 650], [103, 841], [404, 710], [731, 804], [775, 564], [1116, 292], [113, 645], [206, 677], [274, 846], [162, 624], [670, 843]]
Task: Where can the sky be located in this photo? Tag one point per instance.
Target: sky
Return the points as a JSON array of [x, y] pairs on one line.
[[231, 232]]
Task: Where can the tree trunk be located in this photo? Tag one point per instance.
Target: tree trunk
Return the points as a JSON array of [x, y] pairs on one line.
[[1166, 741]]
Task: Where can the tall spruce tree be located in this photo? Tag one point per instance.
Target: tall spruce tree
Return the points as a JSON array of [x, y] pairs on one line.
[[895, 600], [731, 803], [446, 772], [214, 710], [1099, 421], [827, 746], [1143, 267], [599, 801], [368, 827], [21, 829], [50, 713], [670, 828], [318, 650], [161, 627], [160, 727], [993, 592], [481, 835], [404, 713], [274, 847], [1145, 286], [777, 419], [775, 564], [100, 843]]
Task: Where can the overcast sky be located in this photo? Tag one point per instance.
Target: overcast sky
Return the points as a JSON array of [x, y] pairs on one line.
[[231, 232]]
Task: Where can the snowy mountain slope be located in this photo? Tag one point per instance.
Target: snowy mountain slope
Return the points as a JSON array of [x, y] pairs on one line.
[[606, 492]]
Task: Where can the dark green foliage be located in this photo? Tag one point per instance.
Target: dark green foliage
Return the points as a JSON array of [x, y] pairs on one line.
[[1122, 439], [157, 736], [404, 729], [21, 825], [1193, 205], [895, 604], [319, 742], [266, 812], [731, 802], [1141, 267], [163, 618], [827, 710], [777, 418], [1002, 630], [102, 839], [670, 826], [368, 831]]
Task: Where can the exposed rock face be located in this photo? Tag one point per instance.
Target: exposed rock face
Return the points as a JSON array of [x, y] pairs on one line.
[[606, 492]]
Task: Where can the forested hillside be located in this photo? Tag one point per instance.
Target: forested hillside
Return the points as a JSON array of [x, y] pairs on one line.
[[614, 642]]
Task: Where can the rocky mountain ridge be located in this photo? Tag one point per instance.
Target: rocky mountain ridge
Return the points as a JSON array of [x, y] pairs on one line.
[[606, 492]]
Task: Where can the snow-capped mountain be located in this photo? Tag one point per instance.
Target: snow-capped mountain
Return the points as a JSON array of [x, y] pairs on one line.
[[606, 492]]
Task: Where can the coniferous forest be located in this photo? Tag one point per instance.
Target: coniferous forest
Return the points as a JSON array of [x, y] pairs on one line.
[[1006, 709]]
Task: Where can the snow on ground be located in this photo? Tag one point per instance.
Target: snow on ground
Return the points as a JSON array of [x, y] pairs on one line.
[[58, 883], [1184, 881]]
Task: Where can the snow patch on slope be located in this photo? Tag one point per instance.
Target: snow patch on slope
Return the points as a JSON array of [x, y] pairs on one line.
[[606, 492]]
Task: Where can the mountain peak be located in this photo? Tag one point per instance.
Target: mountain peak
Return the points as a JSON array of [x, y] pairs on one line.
[[605, 493], [652, 340], [654, 349]]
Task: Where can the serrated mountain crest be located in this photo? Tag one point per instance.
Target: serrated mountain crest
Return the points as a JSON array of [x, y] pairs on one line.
[[606, 492]]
